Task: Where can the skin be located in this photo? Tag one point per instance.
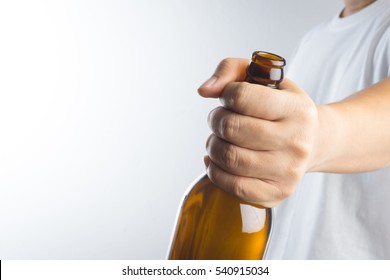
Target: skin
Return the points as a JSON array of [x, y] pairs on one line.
[[265, 140], [354, 6]]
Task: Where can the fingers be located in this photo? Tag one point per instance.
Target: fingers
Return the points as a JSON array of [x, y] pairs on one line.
[[257, 101], [229, 70], [240, 161], [262, 138], [251, 190], [244, 131]]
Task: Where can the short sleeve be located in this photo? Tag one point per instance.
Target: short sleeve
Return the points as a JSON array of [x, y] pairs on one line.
[[382, 55]]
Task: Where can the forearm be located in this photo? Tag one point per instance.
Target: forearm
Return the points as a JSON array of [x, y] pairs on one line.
[[354, 134]]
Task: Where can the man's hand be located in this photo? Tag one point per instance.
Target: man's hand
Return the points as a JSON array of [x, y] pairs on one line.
[[263, 139]]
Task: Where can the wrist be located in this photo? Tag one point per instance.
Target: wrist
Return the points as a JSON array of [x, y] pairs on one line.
[[325, 143]]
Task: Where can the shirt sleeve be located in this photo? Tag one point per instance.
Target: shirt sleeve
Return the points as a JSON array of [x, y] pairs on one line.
[[382, 55]]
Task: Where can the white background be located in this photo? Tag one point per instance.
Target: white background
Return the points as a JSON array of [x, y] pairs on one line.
[[101, 127]]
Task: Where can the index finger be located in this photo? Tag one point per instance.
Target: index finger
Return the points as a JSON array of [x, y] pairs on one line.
[[256, 101]]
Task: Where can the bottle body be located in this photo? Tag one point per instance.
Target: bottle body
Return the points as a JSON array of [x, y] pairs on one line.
[[213, 224]]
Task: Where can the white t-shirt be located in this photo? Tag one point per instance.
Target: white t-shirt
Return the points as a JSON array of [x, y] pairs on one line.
[[339, 216]]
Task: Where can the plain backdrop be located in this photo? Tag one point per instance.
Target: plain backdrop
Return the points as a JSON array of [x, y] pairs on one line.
[[101, 126]]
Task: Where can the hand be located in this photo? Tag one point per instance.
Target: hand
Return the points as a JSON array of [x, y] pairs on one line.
[[263, 139]]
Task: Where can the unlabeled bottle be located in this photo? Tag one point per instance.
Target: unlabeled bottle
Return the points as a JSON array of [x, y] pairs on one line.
[[213, 224]]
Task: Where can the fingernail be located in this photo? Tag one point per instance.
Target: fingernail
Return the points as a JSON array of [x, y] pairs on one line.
[[206, 161], [210, 82]]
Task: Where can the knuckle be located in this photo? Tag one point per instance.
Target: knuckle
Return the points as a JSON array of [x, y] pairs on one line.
[[238, 187], [225, 64], [283, 192], [230, 126], [304, 150], [240, 98], [208, 142], [286, 192], [300, 147], [293, 171], [213, 116], [230, 157], [300, 143]]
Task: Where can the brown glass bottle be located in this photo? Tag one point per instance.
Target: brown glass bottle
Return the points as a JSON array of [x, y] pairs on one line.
[[213, 224]]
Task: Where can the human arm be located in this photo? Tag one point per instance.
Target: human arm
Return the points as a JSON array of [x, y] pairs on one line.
[[264, 140], [355, 132]]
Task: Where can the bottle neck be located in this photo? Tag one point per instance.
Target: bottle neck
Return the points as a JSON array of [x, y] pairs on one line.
[[265, 69], [265, 76]]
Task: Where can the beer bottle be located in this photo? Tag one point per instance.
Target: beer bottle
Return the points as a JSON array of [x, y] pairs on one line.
[[212, 224]]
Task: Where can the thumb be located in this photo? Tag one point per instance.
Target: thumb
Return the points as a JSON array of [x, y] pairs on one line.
[[228, 70]]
